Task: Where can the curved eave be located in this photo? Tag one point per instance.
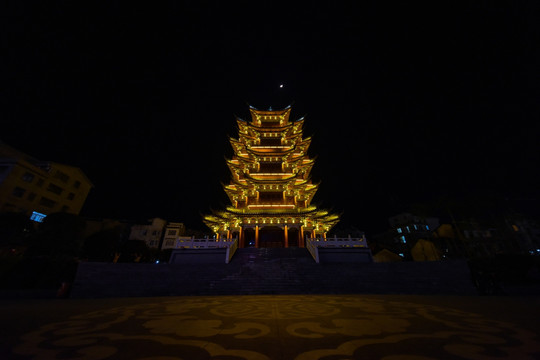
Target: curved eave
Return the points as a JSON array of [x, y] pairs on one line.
[[269, 153], [305, 142], [293, 135], [292, 158], [298, 159], [245, 137], [240, 184], [236, 142], [305, 166], [247, 159], [234, 166], [240, 121], [231, 191], [299, 123]]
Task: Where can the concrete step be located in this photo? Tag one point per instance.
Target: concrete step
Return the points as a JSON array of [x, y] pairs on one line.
[[271, 271]]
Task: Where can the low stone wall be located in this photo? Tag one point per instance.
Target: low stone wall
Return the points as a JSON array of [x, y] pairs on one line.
[[198, 256], [271, 271], [345, 255]]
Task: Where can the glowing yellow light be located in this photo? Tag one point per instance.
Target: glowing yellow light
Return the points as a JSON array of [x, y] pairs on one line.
[[271, 206], [273, 174]]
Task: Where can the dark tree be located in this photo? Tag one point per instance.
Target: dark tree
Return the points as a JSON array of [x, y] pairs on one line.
[[134, 251], [102, 245], [14, 228], [60, 234]]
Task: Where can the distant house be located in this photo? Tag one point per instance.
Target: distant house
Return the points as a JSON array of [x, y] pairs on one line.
[[527, 234], [39, 188], [425, 250], [173, 232], [406, 229], [408, 226], [150, 232], [483, 239], [94, 226], [386, 255]]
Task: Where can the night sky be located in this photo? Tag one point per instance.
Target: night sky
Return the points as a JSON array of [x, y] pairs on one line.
[[405, 103]]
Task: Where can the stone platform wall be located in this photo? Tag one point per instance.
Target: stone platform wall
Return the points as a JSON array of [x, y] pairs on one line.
[[271, 271]]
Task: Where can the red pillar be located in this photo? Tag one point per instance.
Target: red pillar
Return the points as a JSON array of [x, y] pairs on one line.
[[241, 237], [286, 236], [256, 236]]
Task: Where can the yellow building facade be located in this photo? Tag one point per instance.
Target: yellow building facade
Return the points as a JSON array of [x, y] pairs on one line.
[[39, 188], [271, 188]]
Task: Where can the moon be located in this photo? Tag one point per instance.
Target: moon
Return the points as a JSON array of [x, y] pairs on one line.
[[281, 85]]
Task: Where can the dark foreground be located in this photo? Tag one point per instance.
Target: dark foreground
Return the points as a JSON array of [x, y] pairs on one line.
[[388, 327]]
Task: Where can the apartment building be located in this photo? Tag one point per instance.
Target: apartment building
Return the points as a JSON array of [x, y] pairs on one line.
[[39, 188]]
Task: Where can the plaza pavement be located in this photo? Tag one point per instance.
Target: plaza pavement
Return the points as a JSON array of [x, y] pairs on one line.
[[326, 327]]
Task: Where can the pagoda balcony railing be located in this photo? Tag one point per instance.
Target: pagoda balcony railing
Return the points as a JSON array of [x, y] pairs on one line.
[[265, 174], [269, 205], [264, 147], [272, 202]]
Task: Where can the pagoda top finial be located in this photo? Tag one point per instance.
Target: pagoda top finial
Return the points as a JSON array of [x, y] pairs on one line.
[[270, 108], [270, 117]]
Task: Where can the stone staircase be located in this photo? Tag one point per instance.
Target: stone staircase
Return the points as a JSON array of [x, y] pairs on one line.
[[271, 271]]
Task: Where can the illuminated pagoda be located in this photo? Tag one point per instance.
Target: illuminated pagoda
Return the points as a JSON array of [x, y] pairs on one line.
[[271, 188]]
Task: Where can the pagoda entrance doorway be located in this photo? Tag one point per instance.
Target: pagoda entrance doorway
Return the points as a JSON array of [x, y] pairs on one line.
[[293, 236], [249, 237], [271, 237]]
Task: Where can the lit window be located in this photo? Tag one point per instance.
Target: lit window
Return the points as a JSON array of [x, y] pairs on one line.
[[399, 230], [403, 239], [427, 227], [415, 227], [408, 230], [36, 216]]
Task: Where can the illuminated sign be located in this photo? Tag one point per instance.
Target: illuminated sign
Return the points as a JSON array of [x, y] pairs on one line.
[[36, 216]]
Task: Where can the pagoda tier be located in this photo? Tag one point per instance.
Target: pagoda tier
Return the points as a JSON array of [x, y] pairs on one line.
[[271, 188]]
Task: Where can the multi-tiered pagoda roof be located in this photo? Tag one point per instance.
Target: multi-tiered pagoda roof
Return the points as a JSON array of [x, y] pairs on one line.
[[271, 186]]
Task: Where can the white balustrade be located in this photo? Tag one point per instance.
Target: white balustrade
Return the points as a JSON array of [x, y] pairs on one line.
[[313, 245], [339, 242], [204, 243], [229, 244]]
